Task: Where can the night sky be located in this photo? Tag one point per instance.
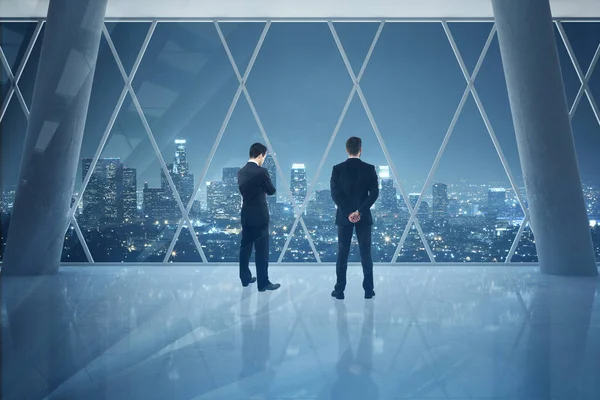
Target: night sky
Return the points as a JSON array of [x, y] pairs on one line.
[[299, 85]]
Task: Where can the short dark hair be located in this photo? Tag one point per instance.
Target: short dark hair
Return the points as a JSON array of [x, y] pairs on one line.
[[354, 145], [257, 149]]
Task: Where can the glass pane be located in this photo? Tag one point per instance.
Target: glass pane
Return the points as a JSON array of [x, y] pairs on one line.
[[584, 39], [413, 84], [299, 85], [526, 251], [322, 212], [107, 87], [570, 78], [470, 39], [14, 39], [219, 221], [128, 211], [185, 249], [242, 38], [586, 132], [128, 38], [356, 39], [72, 248], [413, 249], [478, 197], [27, 81]]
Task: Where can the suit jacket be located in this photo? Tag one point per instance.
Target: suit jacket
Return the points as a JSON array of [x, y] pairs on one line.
[[354, 187], [255, 184]]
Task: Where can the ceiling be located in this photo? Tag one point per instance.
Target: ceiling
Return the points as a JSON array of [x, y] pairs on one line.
[[292, 9]]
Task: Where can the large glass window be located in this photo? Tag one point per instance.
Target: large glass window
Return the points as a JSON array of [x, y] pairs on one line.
[[175, 107]]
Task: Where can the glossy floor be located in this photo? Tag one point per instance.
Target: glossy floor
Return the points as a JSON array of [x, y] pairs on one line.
[[195, 333]]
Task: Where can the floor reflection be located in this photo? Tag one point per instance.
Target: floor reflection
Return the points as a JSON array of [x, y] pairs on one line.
[[103, 333], [354, 370]]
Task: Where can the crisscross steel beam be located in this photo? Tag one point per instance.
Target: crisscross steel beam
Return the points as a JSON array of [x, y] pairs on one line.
[[157, 150], [224, 125], [112, 119], [14, 78], [449, 132], [313, 182], [267, 141], [386, 153], [488, 125], [583, 79]]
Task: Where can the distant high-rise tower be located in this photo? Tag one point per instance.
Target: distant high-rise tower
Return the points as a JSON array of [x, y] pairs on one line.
[[154, 203], [180, 174], [496, 200], [440, 200], [298, 184], [180, 166], [269, 164], [215, 199], [102, 198], [231, 192], [388, 199], [129, 207]]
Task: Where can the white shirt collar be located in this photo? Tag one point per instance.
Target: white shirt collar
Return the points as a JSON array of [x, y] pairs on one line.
[[254, 161], [353, 156]]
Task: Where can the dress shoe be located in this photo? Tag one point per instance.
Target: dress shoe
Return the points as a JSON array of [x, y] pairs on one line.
[[270, 286], [252, 280], [337, 294], [369, 294]]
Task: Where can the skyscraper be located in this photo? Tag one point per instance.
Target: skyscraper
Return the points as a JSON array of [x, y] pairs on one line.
[[154, 205], [129, 205], [496, 200], [181, 166], [324, 207], [269, 164], [298, 183], [388, 200], [179, 171], [440, 200], [231, 192], [103, 195], [215, 199]]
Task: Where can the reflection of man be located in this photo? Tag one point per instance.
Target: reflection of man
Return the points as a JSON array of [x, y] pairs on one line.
[[354, 380], [354, 189], [255, 184], [256, 375]]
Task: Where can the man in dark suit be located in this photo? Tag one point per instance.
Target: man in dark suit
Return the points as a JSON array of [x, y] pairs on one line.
[[255, 184], [354, 189]]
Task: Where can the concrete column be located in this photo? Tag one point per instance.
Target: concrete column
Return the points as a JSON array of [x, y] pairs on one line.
[[54, 135], [544, 138]]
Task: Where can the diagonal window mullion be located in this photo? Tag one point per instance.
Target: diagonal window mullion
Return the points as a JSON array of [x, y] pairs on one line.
[[266, 138], [470, 83], [313, 181], [113, 118], [486, 119], [82, 240], [584, 79], [489, 128], [15, 85], [378, 134], [157, 150], [221, 132], [515, 243], [380, 140]]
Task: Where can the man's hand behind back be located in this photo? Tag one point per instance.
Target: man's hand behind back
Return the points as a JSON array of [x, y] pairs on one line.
[[354, 217]]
